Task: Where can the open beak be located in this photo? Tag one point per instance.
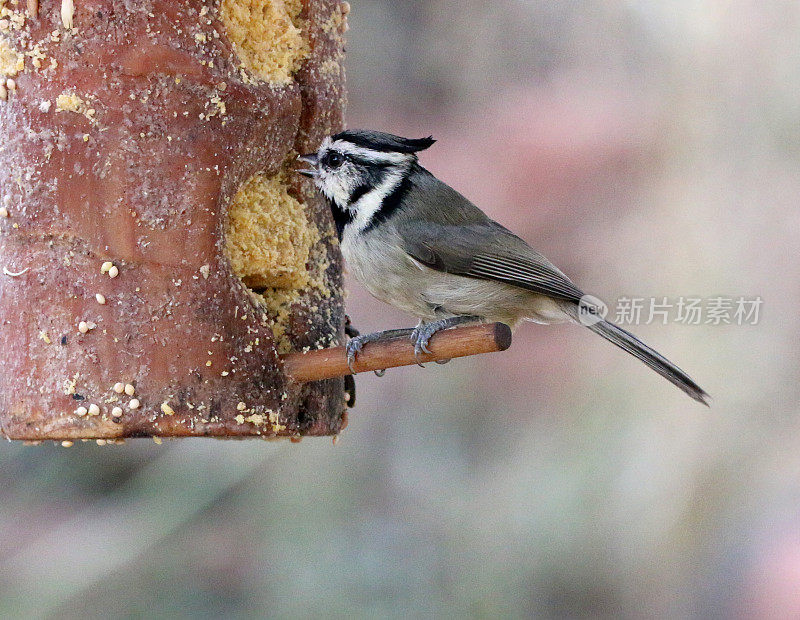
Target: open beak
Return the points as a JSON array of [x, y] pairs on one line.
[[310, 159]]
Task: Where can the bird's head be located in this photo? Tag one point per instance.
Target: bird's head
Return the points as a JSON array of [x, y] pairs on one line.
[[356, 169]]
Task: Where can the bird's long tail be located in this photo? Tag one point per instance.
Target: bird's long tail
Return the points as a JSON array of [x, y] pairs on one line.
[[630, 343]]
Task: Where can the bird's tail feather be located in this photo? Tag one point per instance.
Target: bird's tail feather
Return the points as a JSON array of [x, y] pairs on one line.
[[630, 343]]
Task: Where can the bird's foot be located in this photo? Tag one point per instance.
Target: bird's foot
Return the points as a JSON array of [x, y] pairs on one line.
[[355, 345], [423, 332]]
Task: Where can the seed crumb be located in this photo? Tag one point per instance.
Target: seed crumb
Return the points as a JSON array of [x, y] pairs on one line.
[[241, 406], [94, 409], [119, 387], [106, 266], [167, 409], [81, 411], [70, 102], [67, 13], [101, 442], [129, 389], [3, 212], [83, 327], [67, 444], [100, 299], [113, 271], [116, 412], [44, 336], [157, 441], [134, 403], [69, 385]]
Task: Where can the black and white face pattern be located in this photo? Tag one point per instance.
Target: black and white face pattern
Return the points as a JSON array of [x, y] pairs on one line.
[[357, 179], [362, 173]]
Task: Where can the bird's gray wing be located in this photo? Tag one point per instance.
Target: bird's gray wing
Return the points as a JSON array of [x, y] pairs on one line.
[[485, 250]]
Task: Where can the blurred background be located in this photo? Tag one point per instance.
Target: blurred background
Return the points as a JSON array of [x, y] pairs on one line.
[[650, 149]]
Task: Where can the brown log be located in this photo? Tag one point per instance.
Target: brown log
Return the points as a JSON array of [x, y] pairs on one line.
[[127, 130], [398, 351]]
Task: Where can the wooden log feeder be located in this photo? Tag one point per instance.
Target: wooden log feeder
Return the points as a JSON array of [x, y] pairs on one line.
[[163, 272]]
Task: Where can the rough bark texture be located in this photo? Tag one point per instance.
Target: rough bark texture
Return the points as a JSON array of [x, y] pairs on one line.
[[125, 144]]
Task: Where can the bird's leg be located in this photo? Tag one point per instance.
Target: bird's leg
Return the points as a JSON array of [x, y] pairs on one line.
[[354, 345], [423, 332]]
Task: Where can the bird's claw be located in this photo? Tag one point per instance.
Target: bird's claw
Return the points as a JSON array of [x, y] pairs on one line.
[[354, 345], [420, 336], [353, 348]]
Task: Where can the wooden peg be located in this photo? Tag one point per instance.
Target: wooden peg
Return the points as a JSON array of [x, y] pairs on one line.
[[398, 351]]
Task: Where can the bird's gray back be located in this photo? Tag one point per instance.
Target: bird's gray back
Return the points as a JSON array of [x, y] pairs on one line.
[[443, 230]]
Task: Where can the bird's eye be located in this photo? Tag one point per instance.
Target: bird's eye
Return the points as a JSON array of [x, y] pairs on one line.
[[334, 159]]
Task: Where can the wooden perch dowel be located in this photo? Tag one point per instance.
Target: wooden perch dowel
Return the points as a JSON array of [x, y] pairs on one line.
[[398, 351]]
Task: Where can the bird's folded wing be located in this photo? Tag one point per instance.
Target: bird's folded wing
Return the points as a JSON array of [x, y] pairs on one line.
[[486, 251]]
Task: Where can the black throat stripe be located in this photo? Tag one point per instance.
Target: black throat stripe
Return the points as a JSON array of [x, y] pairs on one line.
[[359, 191], [341, 217]]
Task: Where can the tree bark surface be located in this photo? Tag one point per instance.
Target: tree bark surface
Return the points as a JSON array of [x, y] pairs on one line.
[[124, 139]]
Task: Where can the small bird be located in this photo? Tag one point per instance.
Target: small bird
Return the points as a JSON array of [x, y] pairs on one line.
[[417, 244]]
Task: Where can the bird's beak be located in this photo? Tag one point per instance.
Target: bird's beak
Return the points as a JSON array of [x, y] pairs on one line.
[[311, 159]]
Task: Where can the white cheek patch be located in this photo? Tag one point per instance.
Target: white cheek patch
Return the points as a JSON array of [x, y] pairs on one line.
[[323, 184], [336, 186]]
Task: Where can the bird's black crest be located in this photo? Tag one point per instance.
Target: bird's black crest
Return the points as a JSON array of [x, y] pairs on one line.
[[384, 142]]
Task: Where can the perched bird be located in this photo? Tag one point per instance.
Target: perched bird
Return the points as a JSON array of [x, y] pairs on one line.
[[417, 244]]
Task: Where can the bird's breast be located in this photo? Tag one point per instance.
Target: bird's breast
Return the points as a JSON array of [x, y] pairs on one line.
[[387, 272]]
